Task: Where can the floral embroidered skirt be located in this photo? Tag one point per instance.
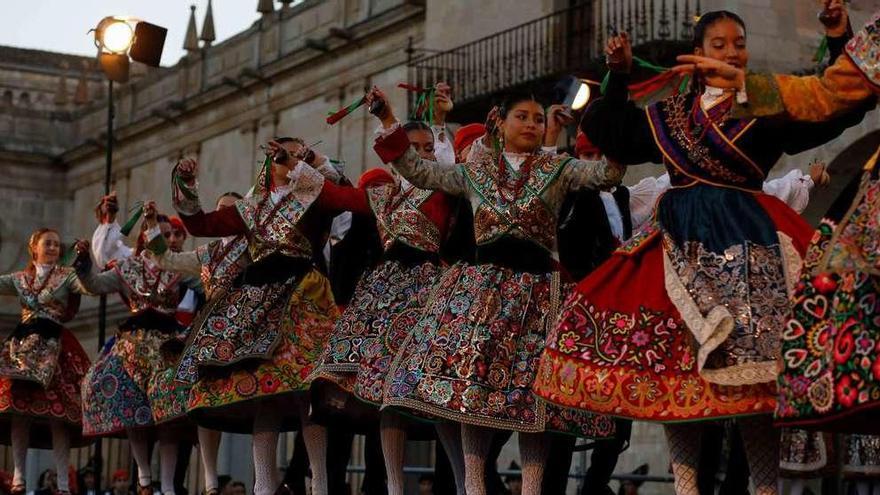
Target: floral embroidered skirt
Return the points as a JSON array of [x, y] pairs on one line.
[[61, 364], [683, 322], [115, 388], [229, 398], [384, 308], [167, 395], [831, 346], [473, 355]]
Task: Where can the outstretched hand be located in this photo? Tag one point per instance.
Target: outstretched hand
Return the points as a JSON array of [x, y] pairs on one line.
[[107, 208], [188, 169], [714, 72], [385, 114], [618, 53]]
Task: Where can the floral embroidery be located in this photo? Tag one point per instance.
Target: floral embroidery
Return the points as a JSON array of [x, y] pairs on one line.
[[400, 219]]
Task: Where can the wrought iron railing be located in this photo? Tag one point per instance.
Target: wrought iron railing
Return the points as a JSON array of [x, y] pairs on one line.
[[566, 41]]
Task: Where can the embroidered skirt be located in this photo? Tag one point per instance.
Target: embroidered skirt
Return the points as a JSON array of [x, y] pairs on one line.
[[168, 396], [41, 379], [831, 346], [473, 355], [384, 309], [115, 388], [229, 398], [683, 322]]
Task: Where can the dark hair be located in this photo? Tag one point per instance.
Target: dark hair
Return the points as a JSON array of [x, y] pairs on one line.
[[512, 100], [288, 139], [710, 18], [236, 483], [232, 194], [416, 125]]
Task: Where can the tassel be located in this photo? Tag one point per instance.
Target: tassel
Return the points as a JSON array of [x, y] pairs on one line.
[[340, 114], [640, 62], [138, 211], [267, 174], [821, 51]]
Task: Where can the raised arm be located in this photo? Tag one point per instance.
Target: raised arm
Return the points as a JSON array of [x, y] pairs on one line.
[[185, 197], [108, 242], [394, 148], [614, 123], [591, 174], [90, 280]]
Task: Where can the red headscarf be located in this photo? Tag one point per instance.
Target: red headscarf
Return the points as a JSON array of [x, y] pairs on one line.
[[467, 134], [583, 146], [177, 224], [120, 474], [375, 177]]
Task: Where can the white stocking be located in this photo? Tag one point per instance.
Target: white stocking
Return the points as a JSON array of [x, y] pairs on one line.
[[863, 488], [266, 428], [61, 454], [315, 439], [450, 436], [209, 445], [21, 437], [684, 451], [139, 439], [533, 449], [476, 441], [393, 435], [796, 487], [168, 445]]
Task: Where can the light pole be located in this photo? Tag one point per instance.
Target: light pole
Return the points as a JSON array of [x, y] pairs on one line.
[[120, 40]]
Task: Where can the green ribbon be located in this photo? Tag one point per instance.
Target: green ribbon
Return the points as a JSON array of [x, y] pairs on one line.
[[184, 188], [157, 245], [69, 256], [640, 62], [137, 211], [424, 107], [267, 174], [821, 51], [684, 83]]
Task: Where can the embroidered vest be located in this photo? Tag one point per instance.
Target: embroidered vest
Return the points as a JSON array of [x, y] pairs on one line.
[[221, 263], [526, 216], [399, 217], [272, 228], [52, 302], [700, 145], [149, 287]]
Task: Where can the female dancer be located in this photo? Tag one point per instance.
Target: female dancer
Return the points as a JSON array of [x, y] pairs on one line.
[[472, 356], [217, 264], [41, 363], [257, 342], [683, 323], [413, 224], [115, 399], [830, 385]]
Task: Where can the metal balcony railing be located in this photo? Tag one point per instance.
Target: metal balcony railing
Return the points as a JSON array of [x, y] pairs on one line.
[[567, 41]]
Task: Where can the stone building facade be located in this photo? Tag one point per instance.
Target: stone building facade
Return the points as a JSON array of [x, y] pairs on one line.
[[280, 77]]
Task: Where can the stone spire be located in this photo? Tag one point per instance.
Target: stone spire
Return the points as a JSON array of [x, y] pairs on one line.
[[61, 97], [81, 96], [266, 7], [191, 41], [208, 35]]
